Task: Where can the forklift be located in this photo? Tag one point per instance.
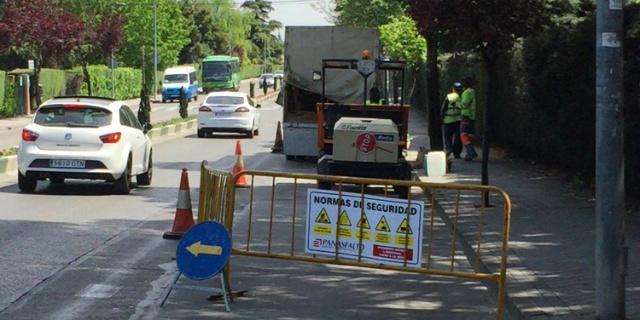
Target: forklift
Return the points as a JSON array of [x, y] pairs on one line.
[[364, 140]]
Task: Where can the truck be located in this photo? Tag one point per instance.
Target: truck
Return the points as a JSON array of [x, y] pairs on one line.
[[302, 87], [355, 136]]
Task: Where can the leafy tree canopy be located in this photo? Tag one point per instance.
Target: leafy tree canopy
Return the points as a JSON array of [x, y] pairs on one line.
[[173, 32], [401, 40], [367, 13]]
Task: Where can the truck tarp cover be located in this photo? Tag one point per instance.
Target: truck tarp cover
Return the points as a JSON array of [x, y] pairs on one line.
[[305, 47]]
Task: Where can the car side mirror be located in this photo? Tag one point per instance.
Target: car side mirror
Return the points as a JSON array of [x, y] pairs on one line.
[[317, 76], [258, 105]]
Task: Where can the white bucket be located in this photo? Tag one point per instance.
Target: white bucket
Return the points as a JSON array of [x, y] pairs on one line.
[[435, 163]]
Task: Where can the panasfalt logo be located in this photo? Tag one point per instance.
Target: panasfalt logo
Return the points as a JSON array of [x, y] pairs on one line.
[[345, 246]]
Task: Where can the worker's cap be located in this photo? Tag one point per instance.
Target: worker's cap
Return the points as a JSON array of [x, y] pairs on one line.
[[457, 85]]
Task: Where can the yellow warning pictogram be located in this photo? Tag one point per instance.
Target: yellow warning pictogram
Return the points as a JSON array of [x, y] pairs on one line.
[[344, 220], [404, 227], [323, 217], [383, 225], [364, 222]]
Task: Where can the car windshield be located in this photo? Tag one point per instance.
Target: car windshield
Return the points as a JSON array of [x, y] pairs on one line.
[[225, 100], [72, 115], [267, 76], [213, 71], [175, 78]]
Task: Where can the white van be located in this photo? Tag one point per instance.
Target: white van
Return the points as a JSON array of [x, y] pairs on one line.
[[176, 78]]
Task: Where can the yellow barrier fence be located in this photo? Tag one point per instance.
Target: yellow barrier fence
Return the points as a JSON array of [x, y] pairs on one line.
[[273, 213]]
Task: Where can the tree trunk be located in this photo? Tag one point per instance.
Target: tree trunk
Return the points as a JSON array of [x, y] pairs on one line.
[[490, 65], [87, 77], [35, 87], [433, 94]]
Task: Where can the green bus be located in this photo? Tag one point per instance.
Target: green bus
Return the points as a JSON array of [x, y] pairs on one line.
[[220, 73]]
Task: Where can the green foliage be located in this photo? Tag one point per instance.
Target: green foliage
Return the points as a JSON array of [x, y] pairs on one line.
[[173, 33], [53, 83], [266, 45], [401, 40], [128, 82], [368, 13], [250, 71]]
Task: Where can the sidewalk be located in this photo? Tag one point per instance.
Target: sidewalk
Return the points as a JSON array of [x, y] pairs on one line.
[[551, 250]]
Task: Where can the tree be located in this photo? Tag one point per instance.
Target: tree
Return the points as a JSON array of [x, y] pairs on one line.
[[400, 40], [103, 33], [262, 27], [488, 28], [38, 30], [367, 13], [429, 16], [173, 33]]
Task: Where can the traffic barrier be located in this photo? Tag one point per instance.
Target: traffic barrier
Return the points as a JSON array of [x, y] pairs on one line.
[[449, 213], [238, 167], [184, 215], [214, 193], [278, 147]]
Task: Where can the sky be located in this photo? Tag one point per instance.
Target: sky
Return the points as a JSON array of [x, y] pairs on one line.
[[296, 13]]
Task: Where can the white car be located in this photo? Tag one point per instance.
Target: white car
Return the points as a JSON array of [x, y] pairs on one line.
[[84, 138], [228, 112]]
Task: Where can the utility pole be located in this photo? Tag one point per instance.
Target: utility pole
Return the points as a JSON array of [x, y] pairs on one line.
[[610, 252], [155, 48]]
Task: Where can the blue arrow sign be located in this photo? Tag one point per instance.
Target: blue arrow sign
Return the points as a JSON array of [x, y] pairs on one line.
[[203, 251]]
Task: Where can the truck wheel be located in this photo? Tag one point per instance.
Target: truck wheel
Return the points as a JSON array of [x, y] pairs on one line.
[[56, 180], [200, 133], [290, 157]]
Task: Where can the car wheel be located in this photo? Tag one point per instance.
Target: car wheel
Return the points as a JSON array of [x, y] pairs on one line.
[[200, 133], [164, 100], [56, 180], [256, 132], [144, 179], [250, 134], [123, 184], [26, 184]]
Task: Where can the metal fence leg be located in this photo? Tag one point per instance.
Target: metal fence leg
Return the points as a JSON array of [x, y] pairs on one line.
[[169, 289], [225, 292]]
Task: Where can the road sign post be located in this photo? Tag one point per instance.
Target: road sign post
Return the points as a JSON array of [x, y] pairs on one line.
[[609, 253], [202, 254]]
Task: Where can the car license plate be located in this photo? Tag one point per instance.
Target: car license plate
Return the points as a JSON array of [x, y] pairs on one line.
[[221, 114], [66, 163]]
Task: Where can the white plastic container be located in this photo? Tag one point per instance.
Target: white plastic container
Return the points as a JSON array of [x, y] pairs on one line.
[[435, 163]]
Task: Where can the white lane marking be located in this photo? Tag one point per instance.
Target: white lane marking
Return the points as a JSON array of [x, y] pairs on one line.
[[77, 308], [100, 291], [149, 308]]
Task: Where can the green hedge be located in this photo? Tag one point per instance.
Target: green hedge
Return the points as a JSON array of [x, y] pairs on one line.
[[545, 99], [53, 83], [250, 71], [128, 82]]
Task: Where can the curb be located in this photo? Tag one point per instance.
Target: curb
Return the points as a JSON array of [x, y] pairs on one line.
[[267, 96], [10, 163], [173, 129]]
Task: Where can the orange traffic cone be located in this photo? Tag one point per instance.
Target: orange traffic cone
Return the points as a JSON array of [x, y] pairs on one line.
[[184, 215], [239, 167], [277, 145]]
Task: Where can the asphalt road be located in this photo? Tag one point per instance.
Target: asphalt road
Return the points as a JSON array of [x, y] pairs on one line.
[[10, 129], [75, 251]]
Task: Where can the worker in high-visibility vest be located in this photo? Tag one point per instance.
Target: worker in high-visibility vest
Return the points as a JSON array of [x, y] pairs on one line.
[[467, 123], [451, 115]]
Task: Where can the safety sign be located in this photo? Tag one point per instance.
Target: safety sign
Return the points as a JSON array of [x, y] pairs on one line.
[[380, 229], [203, 250]]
